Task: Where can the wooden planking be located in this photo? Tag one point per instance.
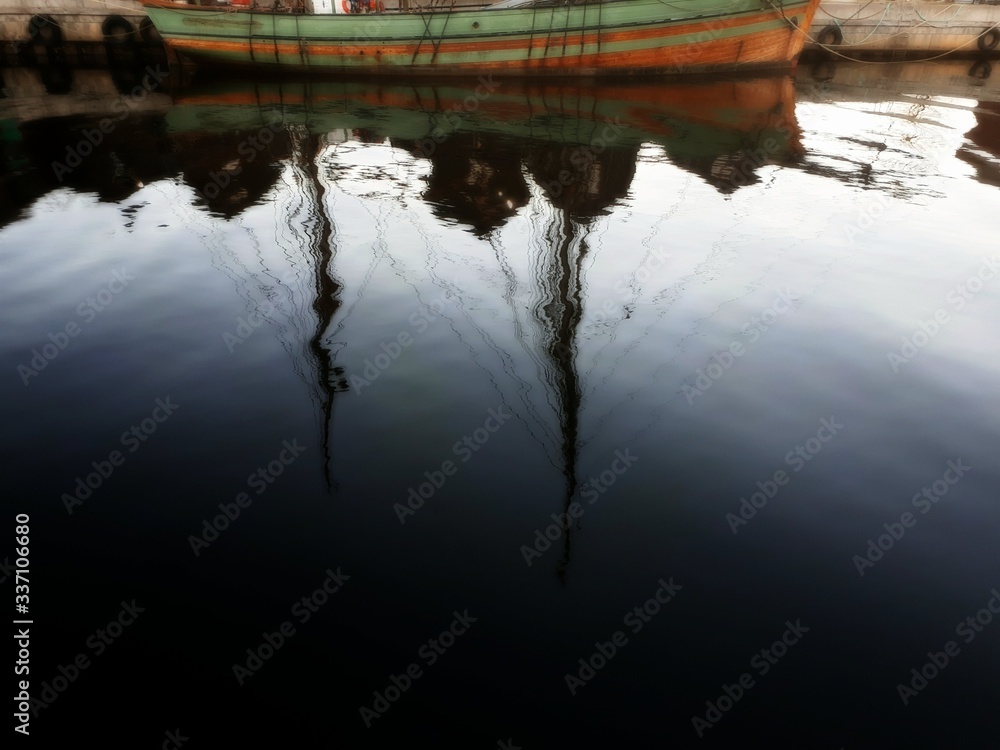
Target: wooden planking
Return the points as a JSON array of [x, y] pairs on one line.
[[777, 44], [747, 37]]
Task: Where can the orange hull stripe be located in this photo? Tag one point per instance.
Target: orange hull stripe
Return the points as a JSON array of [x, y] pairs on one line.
[[538, 45]]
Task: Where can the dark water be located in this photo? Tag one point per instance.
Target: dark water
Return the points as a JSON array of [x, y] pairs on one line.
[[506, 369]]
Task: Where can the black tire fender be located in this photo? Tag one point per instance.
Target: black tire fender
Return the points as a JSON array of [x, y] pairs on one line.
[[830, 36], [118, 32], [988, 39], [46, 30]]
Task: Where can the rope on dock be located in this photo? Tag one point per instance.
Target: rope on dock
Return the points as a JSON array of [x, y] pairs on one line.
[[829, 49], [130, 8], [902, 32], [958, 9], [687, 7], [854, 16], [223, 10], [872, 32], [926, 22]]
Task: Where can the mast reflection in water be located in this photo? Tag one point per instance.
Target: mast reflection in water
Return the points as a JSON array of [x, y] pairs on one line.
[[369, 268], [578, 145]]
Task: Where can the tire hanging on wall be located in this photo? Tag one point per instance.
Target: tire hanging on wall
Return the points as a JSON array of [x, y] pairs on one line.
[[830, 36], [988, 39], [118, 32], [46, 30]]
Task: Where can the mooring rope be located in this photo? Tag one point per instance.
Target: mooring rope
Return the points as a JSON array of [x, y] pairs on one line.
[[132, 11], [447, 17], [425, 15], [226, 10], [815, 41], [600, 24], [853, 16], [131, 8], [958, 10], [872, 32]]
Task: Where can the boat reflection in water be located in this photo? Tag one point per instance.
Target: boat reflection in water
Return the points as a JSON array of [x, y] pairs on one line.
[[560, 155], [574, 139], [566, 154], [983, 150]]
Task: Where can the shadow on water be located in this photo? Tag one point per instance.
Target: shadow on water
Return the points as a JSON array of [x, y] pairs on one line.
[[239, 144], [487, 154], [311, 202]]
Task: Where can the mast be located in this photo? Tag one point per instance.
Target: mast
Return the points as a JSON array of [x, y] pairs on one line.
[[326, 302], [562, 314]]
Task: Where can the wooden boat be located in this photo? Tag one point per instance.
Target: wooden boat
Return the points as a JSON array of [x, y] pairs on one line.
[[513, 37]]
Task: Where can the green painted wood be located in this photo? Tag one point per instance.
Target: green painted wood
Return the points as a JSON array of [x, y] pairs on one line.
[[308, 41]]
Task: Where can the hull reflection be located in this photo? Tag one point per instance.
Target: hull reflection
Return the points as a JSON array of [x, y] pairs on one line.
[[723, 130], [574, 147]]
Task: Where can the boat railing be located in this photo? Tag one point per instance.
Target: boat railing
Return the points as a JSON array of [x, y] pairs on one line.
[[374, 7]]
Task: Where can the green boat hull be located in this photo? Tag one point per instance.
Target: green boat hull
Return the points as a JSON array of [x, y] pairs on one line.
[[613, 37]]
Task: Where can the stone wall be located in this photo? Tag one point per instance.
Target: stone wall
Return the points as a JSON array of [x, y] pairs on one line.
[[79, 21]]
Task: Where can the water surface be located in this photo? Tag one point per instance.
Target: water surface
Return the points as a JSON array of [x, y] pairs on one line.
[[413, 330]]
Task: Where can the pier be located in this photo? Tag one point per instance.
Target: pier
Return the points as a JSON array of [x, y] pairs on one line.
[[85, 33], [906, 29]]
